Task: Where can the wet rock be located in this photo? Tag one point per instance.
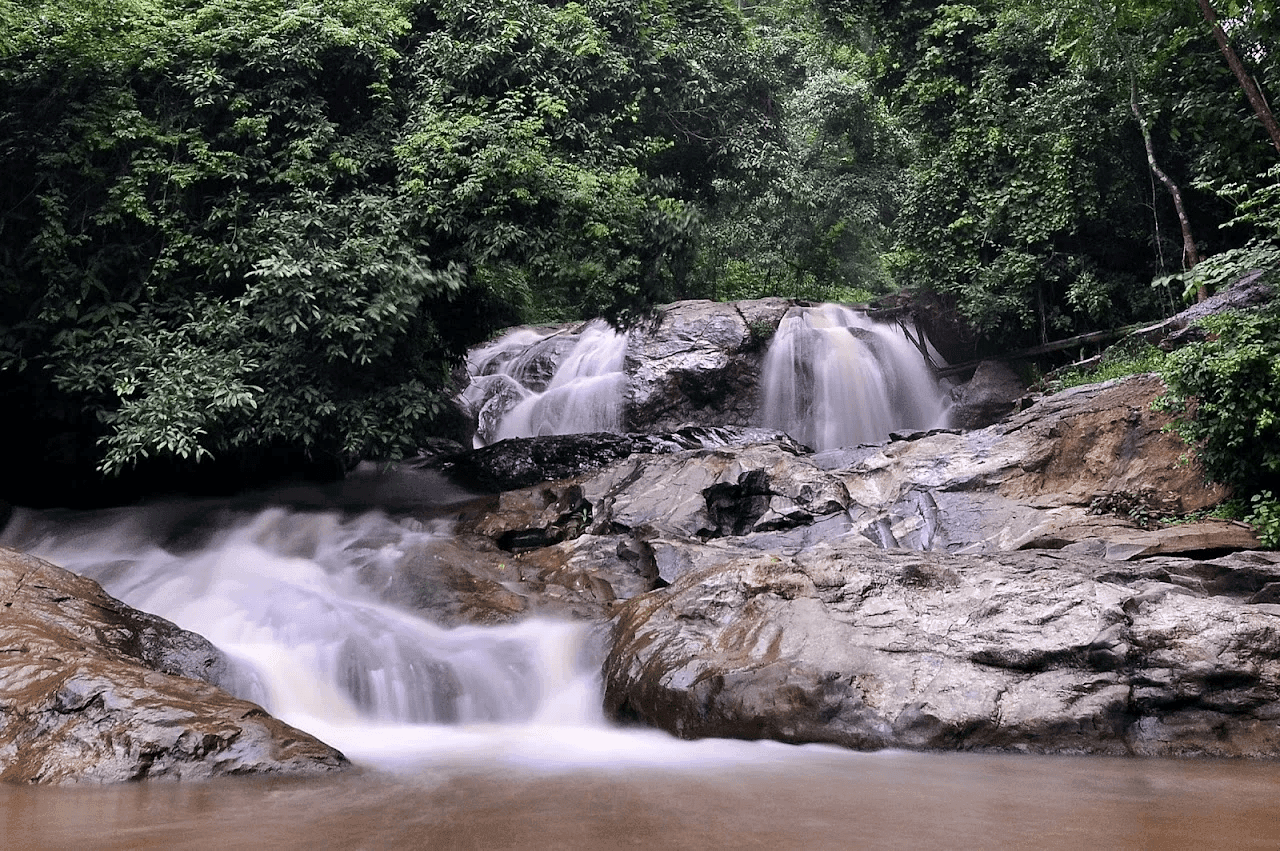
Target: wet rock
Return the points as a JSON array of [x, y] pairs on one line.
[[94, 691], [521, 462], [992, 394], [1031, 651], [699, 362], [524, 461]]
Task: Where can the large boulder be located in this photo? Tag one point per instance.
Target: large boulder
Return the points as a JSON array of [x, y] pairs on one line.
[[92, 690], [990, 395], [848, 644], [699, 362]]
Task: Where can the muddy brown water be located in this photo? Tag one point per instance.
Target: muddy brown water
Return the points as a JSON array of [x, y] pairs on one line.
[[775, 797]]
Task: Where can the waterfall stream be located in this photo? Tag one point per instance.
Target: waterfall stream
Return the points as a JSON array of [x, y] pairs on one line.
[[291, 596], [833, 377], [528, 383]]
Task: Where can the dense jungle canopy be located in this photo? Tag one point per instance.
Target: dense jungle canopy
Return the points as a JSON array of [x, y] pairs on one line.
[[251, 234]]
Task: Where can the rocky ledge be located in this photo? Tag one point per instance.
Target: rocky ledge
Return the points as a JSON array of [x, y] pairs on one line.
[[867, 648], [989, 589], [92, 690]]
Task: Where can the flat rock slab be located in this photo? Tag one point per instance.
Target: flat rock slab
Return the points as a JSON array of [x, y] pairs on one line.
[[94, 691]]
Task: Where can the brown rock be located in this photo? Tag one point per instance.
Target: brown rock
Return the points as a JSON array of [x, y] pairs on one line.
[[94, 691]]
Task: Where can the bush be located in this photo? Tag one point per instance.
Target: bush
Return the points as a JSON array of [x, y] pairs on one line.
[[1225, 395]]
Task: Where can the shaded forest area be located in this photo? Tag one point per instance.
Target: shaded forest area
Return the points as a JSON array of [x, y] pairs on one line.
[[242, 238]]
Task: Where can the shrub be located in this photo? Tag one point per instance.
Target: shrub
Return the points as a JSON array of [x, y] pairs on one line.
[[1225, 395]]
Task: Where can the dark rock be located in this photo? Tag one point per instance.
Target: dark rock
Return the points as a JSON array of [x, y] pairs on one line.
[[523, 461], [991, 395]]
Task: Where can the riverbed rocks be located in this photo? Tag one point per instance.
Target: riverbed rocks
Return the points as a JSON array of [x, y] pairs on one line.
[[997, 588], [853, 645], [94, 691]]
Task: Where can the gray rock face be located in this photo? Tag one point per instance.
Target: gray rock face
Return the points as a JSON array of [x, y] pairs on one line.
[[848, 644], [699, 362], [94, 691], [695, 362], [948, 590]]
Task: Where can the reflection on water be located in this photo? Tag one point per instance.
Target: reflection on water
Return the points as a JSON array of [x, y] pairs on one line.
[[757, 796]]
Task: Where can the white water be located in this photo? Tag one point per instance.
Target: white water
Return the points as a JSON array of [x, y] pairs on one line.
[[832, 378], [526, 760], [291, 596], [513, 397]]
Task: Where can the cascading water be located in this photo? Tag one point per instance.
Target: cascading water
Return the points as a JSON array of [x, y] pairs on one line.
[[528, 384], [833, 377], [287, 594]]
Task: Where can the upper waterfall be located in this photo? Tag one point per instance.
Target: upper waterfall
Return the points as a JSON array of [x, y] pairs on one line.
[[833, 377], [531, 383], [830, 377]]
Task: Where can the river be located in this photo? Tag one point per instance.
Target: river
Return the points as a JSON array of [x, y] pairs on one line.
[[505, 746], [738, 795]]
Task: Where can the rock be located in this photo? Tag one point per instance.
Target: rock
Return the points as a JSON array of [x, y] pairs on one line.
[[992, 394], [1029, 481], [94, 691], [699, 362], [523, 461], [694, 362], [709, 493], [1025, 480], [1206, 536], [1030, 651], [1247, 292]]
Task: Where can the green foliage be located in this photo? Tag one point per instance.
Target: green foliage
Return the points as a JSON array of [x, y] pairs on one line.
[[809, 176], [238, 228], [1116, 362], [1225, 393], [1220, 270], [1265, 519], [1019, 161]]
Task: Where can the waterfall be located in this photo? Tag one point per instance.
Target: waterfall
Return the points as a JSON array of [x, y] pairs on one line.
[[832, 377], [531, 383], [291, 596]]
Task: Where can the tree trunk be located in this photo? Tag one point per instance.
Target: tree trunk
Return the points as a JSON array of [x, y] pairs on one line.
[[1251, 91], [1190, 256]]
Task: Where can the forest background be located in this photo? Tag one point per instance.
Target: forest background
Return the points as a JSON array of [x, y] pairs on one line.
[[239, 237]]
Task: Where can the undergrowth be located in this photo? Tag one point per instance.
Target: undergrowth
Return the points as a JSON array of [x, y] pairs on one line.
[[1129, 357]]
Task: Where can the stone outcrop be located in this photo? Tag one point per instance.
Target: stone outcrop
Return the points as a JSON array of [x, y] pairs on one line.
[[699, 362], [693, 363], [996, 588], [852, 645], [94, 691], [523, 461], [992, 394]]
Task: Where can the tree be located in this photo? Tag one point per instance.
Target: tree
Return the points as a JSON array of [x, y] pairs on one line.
[[1247, 83], [809, 171], [260, 234]]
